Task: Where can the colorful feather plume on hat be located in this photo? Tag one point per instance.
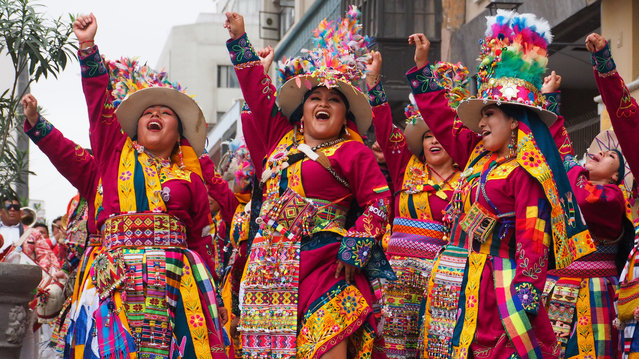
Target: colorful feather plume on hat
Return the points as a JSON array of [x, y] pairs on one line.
[[412, 114], [341, 53], [513, 58], [127, 76]]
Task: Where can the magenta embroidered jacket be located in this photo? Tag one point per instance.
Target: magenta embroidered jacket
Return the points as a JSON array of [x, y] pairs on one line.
[[603, 206], [396, 152], [522, 235], [353, 161], [72, 161], [188, 198]]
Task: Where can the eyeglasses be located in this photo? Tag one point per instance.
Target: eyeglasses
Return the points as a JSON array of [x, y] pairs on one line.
[[12, 206]]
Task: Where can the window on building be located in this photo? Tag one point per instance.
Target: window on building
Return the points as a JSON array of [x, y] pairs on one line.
[[287, 16], [226, 77]]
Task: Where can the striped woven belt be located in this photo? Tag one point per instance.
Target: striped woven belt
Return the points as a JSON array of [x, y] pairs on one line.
[[143, 229], [416, 237], [593, 265], [95, 240]]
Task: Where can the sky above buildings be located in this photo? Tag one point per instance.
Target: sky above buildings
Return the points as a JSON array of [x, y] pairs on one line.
[[133, 28]]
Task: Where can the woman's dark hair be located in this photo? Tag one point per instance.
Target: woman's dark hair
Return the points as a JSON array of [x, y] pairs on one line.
[[298, 113], [517, 111]]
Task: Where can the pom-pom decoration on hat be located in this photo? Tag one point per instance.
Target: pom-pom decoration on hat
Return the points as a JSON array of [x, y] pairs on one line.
[[127, 76], [135, 87], [338, 61], [513, 61]]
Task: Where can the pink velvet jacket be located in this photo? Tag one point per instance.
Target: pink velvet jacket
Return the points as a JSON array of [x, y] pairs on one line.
[[188, 198]]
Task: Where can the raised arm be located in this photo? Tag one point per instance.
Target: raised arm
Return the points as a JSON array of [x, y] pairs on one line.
[[433, 105], [105, 132], [550, 89], [71, 160], [621, 107], [258, 89], [390, 138]]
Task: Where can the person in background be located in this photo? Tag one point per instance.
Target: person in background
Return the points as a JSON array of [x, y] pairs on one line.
[[597, 187], [424, 175], [10, 227], [513, 214], [58, 229], [624, 116]]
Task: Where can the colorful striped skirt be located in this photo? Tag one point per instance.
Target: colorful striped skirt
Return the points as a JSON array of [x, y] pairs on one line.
[[143, 294], [412, 247], [580, 303]]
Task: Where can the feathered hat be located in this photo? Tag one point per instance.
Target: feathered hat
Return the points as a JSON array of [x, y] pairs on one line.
[[513, 60], [454, 79], [136, 87], [338, 61]]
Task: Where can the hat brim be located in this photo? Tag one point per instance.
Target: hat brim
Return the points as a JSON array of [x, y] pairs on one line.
[[190, 114], [469, 112], [414, 134], [291, 95], [606, 141]]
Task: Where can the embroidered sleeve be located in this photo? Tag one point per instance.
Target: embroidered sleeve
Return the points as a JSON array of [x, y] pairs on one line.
[[562, 140], [458, 140], [621, 107], [39, 131], [606, 202], [553, 102], [602, 60], [532, 238], [390, 138], [376, 95], [360, 246], [423, 80], [259, 93], [105, 133], [254, 140], [358, 243], [71, 160]]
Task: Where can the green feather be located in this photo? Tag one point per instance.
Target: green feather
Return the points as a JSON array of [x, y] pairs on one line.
[[512, 65]]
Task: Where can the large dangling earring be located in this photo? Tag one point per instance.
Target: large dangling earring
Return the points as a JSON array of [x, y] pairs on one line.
[[511, 145], [180, 156], [348, 134], [302, 127]]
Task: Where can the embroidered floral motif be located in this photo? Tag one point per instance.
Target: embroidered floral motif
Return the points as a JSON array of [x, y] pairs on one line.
[[423, 81], [376, 95], [531, 159], [39, 130], [529, 296], [124, 176], [241, 51], [355, 251], [92, 65], [553, 100], [627, 107], [602, 60]]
